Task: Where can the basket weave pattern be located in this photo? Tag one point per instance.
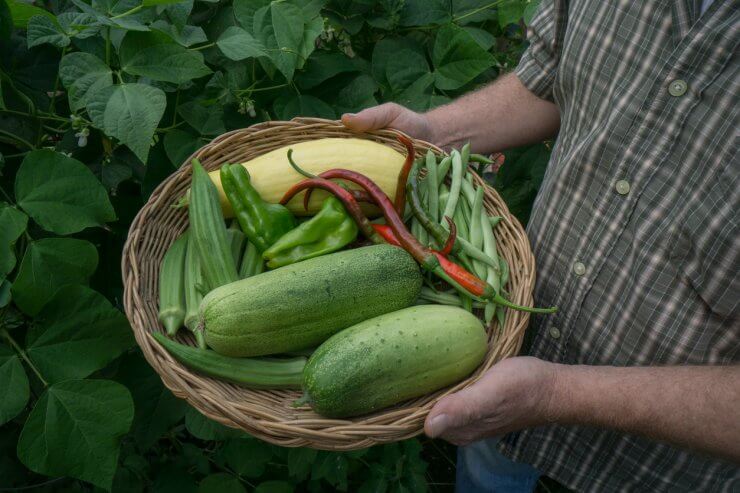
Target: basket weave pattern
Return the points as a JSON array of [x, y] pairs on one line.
[[269, 415]]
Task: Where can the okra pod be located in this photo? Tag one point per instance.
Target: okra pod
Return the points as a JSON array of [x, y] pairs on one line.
[[171, 292]]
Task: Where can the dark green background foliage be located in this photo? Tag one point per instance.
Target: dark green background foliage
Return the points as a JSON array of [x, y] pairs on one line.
[[102, 99]]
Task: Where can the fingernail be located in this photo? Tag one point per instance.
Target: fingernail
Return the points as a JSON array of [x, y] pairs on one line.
[[437, 425], [350, 115]]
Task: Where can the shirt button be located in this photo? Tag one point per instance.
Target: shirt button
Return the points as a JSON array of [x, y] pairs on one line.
[[623, 187], [579, 268], [554, 333], [677, 88]]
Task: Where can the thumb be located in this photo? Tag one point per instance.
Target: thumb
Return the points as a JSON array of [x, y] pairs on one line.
[[451, 412], [373, 118]]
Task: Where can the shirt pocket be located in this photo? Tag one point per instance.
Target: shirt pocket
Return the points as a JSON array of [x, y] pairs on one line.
[[705, 244]]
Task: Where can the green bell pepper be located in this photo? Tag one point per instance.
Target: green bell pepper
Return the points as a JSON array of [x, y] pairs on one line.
[[262, 222], [328, 231]]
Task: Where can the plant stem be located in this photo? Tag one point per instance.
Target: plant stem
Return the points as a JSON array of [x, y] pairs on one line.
[[270, 88], [174, 112], [18, 139], [6, 194], [41, 115], [23, 355], [475, 11], [56, 85], [127, 13], [203, 47], [107, 46]]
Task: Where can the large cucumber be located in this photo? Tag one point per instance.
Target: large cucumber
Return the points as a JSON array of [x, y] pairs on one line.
[[391, 358], [300, 305]]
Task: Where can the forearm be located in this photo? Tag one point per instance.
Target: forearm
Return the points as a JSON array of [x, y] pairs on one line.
[[691, 406], [501, 115]]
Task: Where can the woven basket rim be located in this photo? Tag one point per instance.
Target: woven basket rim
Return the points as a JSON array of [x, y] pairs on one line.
[[267, 414]]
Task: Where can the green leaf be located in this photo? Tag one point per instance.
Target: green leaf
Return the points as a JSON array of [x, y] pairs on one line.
[[152, 3], [158, 57], [156, 408], [78, 25], [201, 427], [83, 75], [325, 65], [206, 120], [221, 483], [42, 30], [469, 11], [357, 94], [291, 104], [389, 49], [12, 225], [274, 486], [288, 34], [457, 58], [5, 297], [247, 457], [76, 333], [300, 461], [6, 25], [510, 12], [425, 12], [22, 12], [237, 44], [179, 144], [14, 382], [47, 265], [75, 430], [244, 11], [332, 467], [405, 69], [130, 113], [184, 35], [485, 39], [376, 484], [60, 193], [530, 10]]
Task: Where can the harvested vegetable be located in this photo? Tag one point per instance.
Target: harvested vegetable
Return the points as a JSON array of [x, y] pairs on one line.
[[328, 231], [262, 222], [393, 357], [194, 284], [171, 286], [208, 231], [300, 305], [257, 373]]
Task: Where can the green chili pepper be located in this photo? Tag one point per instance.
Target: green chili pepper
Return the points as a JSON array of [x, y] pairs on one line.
[[328, 231], [262, 222]]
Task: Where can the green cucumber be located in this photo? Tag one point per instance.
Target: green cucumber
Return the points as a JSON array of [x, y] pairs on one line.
[[393, 357], [262, 373], [300, 305], [171, 292]]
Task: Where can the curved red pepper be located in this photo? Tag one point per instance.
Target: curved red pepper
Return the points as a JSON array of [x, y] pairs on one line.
[[349, 202], [447, 248], [403, 175]]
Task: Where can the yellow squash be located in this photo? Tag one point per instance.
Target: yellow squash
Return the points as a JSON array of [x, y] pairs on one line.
[[272, 175]]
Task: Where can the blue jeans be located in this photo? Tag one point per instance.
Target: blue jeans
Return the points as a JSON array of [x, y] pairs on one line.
[[481, 468]]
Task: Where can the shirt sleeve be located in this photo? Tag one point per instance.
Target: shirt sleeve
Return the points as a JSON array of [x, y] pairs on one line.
[[539, 63]]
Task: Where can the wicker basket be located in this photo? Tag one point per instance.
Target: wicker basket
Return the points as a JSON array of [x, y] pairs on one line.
[[266, 414]]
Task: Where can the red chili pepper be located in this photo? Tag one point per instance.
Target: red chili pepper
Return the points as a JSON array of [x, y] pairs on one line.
[[447, 248], [409, 243], [403, 176], [387, 233], [353, 208], [472, 283]]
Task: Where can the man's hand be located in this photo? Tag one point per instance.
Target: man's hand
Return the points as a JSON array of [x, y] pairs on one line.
[[696, 407], [512, 395], [390, 115]]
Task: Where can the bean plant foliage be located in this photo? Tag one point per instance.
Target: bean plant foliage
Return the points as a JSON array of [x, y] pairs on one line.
[[100, 100]]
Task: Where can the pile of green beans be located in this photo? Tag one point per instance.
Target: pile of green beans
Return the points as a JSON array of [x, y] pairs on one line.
[[448, 190]]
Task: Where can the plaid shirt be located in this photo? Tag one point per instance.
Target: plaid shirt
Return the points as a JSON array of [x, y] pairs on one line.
[[635, 228]]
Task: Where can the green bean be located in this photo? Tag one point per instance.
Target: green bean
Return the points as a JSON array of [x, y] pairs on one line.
[[442, 168], [501, 315], [445, 298], [489, 247], [504, 267], [476, 230], [465, 153], [455, 184], [444, 195], [466, 302], [432, 196], [480, 158], [494, 220], [489, 312]]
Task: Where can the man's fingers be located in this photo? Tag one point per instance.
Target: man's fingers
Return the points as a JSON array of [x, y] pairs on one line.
[[373, 118], [451, 412]]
